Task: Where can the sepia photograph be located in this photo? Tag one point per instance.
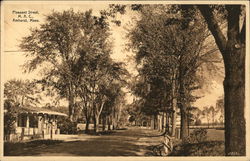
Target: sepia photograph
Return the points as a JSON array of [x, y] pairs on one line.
[[151, 79]]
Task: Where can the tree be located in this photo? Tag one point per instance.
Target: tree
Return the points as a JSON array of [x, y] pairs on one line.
[[10, 117], [169, 54], [212, 110], [193, 116], [97, 75], [220, 109], [207, 113], [59, 46], [232, 48], [114, 105], [22, 92], [196, 114]]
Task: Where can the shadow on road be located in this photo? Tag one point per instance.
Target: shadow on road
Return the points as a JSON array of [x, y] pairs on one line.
[[133, 142]]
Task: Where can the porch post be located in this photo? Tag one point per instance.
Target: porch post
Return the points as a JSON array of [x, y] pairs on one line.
[[16, 125], [39, 124], [28, 123], [51, 126], [56, 131]]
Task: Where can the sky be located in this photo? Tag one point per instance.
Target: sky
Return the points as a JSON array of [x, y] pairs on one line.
[[13, 58], [14, 31]]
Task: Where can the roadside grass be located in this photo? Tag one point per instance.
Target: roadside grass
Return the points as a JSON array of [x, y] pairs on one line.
[[213, 145], [10, 147], [206, 148]]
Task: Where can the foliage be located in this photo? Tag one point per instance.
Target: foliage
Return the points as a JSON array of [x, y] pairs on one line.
[[63, 45], [66, 126], [219, 108], [169, 54], [131, 119], [197, 136], [208, 148], [18, 94], [198, 122], [10, 116], [232, 48], [23, 92]]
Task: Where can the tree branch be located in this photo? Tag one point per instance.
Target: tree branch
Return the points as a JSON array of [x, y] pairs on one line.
[[213, 26]]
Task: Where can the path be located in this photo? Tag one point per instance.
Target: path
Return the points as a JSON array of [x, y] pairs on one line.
[[131, 142]]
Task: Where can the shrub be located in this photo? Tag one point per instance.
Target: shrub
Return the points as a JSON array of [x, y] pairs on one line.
[[67, 127], [10, 115], [198, 122], [197, 136], [207, 148]]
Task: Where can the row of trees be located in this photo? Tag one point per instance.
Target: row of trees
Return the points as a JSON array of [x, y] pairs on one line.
[[169, 58], [73, 50], [171, 44], [214, 115]]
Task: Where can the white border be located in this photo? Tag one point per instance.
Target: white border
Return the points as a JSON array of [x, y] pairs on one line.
[[247, 92]]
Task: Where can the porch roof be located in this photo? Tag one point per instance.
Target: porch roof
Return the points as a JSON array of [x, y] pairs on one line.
[[38, 110]]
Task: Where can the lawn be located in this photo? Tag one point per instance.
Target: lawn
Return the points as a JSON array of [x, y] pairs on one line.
[[213, 145], [19, 147]]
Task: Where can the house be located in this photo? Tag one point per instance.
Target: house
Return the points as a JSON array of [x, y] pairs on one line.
[[34, 123]]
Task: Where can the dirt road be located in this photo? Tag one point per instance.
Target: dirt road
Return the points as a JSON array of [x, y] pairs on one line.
[[133, 141]]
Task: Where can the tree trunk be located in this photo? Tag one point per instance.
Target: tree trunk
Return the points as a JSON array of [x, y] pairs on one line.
[[184, 122], [155, 122], [96, 124], [174, 118], [167, 123], [208, 122], [103, 123], [152, 122], [109, 123], [234, 96], [233, 52], [94, 119], [113, 123], [160, 122], [183, 106], [114, 119], [174, 106], [87, 125], [71, 100]]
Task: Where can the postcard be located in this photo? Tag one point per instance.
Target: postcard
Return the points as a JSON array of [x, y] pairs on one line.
[[132, 80]]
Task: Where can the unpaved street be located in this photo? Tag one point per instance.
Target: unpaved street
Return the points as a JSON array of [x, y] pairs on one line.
[[130, 142]]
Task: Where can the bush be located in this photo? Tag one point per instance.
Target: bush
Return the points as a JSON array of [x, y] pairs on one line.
[[207, 148], [67, 127], [10, 116], [198, 122], [197, 136]]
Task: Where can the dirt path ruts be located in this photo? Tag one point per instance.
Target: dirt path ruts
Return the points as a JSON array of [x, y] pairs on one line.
[[131, 142]]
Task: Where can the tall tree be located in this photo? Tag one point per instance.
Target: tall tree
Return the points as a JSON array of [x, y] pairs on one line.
[[169, 54], [220, 109], [233, 50], [57, 46], [207, 113], [212, 110]]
